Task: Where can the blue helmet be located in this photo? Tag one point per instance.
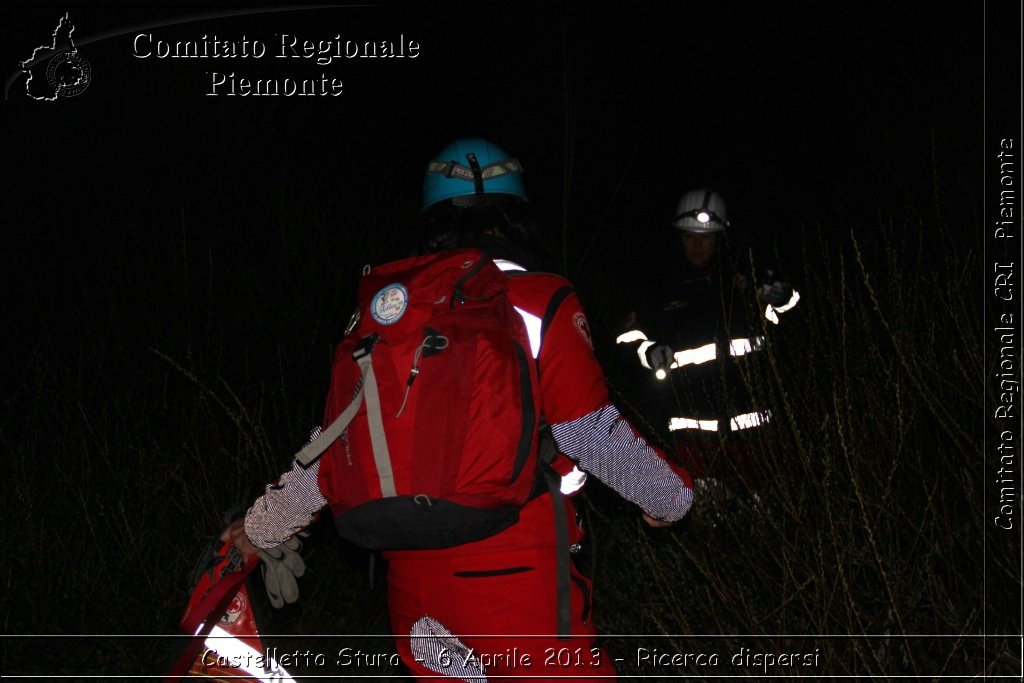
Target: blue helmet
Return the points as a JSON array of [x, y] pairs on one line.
[[470, 172]]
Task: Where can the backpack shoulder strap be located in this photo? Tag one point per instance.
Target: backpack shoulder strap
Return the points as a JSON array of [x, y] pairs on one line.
[[312, 451], [551, 311], [368, 388]]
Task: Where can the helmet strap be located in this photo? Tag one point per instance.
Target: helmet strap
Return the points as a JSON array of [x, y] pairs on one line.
[[478, 176]]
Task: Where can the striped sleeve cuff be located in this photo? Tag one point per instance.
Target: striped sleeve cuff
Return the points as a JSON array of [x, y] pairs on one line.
[[287, 506], [607, 446]]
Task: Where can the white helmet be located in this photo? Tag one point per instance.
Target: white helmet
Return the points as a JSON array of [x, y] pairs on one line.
[[701, 211]]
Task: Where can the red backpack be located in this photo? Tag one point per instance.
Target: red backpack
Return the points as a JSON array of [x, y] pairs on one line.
[[433, 407]]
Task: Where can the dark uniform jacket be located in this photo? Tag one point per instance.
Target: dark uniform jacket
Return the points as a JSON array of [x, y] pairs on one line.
[[711, 319]]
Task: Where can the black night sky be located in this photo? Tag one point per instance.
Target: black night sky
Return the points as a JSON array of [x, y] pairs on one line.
[[802, 116], [145, 204], [799, 114]]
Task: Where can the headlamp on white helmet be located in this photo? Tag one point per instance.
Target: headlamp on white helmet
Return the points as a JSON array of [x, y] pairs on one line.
[[701, 211]]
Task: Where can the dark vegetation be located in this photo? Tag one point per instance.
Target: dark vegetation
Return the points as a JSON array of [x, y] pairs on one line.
[[174, 386]]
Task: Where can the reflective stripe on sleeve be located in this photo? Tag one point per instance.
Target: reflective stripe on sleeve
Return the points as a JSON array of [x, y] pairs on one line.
[[694, 356], [743, 345], [679, 423], [793, 300], [771, 312], [642, 352], [748, 420], [737, 423], [630, 337]]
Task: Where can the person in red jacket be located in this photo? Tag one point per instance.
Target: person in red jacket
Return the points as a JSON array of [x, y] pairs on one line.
[[494, 606]]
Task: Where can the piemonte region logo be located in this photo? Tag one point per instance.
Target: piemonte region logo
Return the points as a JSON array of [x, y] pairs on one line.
[[66, 74]]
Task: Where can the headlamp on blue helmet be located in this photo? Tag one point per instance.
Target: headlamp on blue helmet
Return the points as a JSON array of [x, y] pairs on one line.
[[471, 172]]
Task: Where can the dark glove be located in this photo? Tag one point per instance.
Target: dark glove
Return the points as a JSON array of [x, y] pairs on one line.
[[660, 357], [282, 564], [774, 290]]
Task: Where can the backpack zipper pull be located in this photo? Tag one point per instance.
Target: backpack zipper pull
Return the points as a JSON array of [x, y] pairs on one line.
[[413, 374], [433, 342]]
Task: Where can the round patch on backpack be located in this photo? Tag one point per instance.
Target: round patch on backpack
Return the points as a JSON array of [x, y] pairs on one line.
[[389, 304]]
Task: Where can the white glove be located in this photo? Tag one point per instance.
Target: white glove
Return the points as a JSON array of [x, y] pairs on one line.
[[281, 565]]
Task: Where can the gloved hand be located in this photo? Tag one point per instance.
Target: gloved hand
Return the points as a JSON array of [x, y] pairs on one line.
[[235, 532], [774, 290], [282, 564], [660, 357]]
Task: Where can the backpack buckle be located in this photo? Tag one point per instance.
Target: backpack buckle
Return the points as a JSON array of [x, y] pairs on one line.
[[365, 346]]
